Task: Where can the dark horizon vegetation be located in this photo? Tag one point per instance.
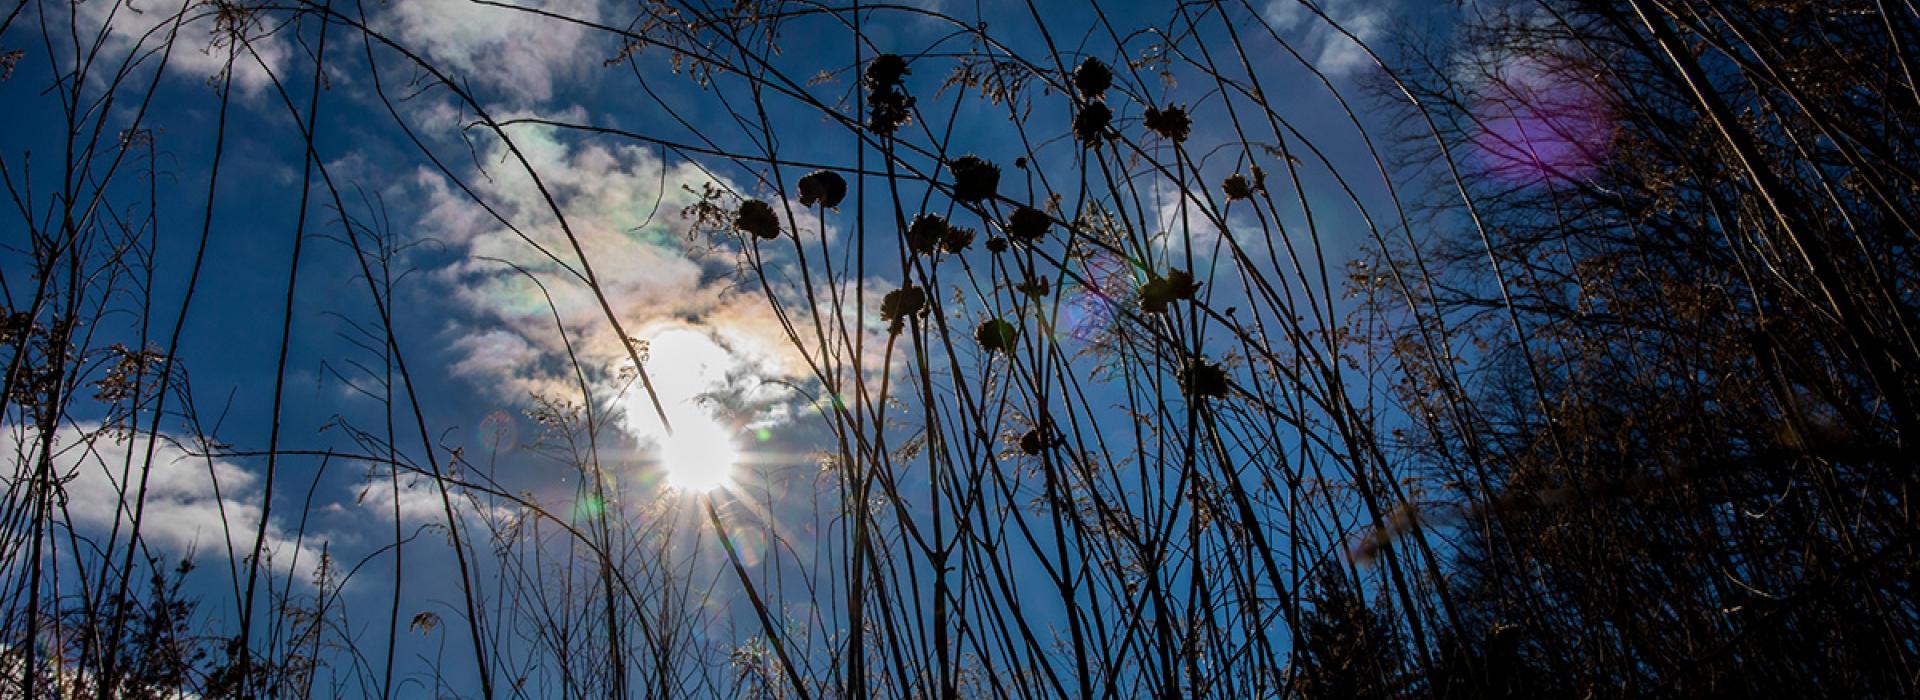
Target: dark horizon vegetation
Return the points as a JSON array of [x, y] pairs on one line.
[[959, 349]]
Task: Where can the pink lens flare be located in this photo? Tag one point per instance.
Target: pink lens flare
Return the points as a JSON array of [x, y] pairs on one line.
[[498, 431], [1542, 121], [1090, 311]]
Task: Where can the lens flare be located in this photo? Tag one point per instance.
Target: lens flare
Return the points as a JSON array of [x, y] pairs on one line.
[[1091, 308], [1542, 122], [497, 432]]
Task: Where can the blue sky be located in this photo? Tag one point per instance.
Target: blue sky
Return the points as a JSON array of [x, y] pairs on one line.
[[478, 334]]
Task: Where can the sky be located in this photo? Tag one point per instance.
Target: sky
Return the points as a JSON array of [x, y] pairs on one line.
[[477, 292]]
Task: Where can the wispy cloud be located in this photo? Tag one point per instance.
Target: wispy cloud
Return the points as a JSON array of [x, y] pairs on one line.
[[715, 349], [418, 502], [511, 56], [1331, 51], [192, 503], [202, 47]]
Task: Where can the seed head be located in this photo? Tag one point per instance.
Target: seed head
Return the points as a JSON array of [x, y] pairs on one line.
[[757, 218], [1092, 78], [823, 187], [975, 179]]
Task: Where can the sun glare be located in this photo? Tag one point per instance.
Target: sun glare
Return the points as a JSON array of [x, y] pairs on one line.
[[688, 369], [700, 455]]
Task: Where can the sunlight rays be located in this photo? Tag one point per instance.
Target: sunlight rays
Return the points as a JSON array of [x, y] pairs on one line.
[[698, 379]]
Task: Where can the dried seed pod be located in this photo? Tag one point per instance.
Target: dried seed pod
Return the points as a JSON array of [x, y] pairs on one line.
[[1202, 379], [1236, 187], [1171, 123], [957, 239], [926, 233], [901, 303], [886, 70], [1092, 78], [823, 187], [997, 335], [891, 110], [1090, 125], [1028, 224], [1036, 287], [1034, 442], [996, 244], [757, 218], [891, 107], [1160, 292], [974, 179]]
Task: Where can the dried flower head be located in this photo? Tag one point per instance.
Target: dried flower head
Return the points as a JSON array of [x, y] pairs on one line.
[[823, 187], [8, 60], [1236, 187], [890, 106], [975, 179], [900, 304], [1035, 441], [1158, 293], [890, 112], [757, 218], [424, 621], [1090, 125], [1028, 224], [886, 70], [997, 335], [926, 233], [957, 239], [1202, 379], [1092, 78], [1171, 123]]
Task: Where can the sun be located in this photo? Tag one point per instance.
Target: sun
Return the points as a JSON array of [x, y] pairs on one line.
[[699, 456], [688, 369]]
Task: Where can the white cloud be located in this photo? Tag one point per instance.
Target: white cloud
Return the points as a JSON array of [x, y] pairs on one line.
[[511, 55], [1196, 223], [1181, 223], [419, 502], [201, 50], [1286, 15], [1332, 52], [496, 353], [1339, 55], [713, 342], [704, 371], [183, 515]]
